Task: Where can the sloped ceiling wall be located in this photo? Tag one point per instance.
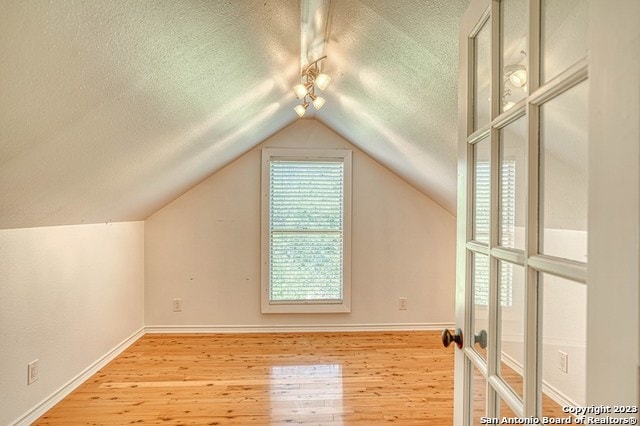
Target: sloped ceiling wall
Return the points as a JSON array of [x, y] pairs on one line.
[[395, 94], [111, 109]]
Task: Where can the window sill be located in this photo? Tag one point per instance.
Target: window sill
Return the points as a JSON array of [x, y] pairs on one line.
[[306, 308]]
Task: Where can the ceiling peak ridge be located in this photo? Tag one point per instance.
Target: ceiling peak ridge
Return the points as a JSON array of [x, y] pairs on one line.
[[314, 30]]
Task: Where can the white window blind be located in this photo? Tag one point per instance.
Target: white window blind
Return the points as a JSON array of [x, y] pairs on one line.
[[306, 211], [508, 203], [482, 202], [306, 230]]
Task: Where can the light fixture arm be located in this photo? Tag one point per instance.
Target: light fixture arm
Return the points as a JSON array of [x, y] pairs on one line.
[[307, 88], [309, 71]]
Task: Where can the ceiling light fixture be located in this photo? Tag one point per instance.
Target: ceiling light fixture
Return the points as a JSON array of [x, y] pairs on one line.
[[515, 78], [311, 78], [517, 75], [301, 109]]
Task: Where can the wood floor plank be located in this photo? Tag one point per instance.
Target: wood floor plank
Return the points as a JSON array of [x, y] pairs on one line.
[[269, 379]]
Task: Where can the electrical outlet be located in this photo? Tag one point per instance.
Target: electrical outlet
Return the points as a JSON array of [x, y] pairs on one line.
[[177, 305], [32, 372], [402, 303], [563, 362]]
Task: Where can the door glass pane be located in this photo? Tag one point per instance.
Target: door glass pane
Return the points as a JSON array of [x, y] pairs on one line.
[[564, 35], [514, 44], [511, 318], [480, 280], [505, 411], [481, 186], [564, 337], [563, 174], [482, 77], [513, 191], [478, 397]]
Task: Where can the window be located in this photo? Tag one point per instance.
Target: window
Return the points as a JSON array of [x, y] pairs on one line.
[[306, 230], [508, 184]]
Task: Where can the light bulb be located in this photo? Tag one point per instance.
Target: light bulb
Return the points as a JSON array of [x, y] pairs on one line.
[[322, 81], [318, 102], [300, 90], [300, 109], [518, 78]]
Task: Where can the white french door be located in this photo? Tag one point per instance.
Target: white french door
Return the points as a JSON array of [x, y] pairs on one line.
[[524, 194]]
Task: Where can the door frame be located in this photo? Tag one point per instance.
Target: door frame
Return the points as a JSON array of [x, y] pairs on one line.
[[613, 273], [614, 204]]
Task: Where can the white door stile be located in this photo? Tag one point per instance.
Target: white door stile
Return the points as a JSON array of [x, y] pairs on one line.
[[466, 359], [533, 312], [462, 364], [496, 82]]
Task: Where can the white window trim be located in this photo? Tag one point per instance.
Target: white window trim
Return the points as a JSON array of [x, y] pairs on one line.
[[343, 306]]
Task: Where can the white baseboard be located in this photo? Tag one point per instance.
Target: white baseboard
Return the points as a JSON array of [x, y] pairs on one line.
[[294, 328], [560, 398], [57, 396]]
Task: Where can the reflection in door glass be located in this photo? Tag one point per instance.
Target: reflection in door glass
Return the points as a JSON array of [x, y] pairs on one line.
[[511, 318], [564, 342], [481, 188], [514, 56], [513, 191], [480, 318], [563, 174], [564, 35], [478, 397], [482, 77], [504, 410]]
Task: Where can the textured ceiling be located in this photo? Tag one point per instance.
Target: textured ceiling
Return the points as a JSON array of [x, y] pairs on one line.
[[394, 94], [111, 109]]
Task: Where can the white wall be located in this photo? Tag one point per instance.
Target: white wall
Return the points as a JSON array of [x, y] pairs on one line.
[[205, 248], [69, 295]]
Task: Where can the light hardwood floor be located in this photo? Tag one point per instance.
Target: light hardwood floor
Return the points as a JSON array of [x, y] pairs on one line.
[[272, 379], [269, 379]]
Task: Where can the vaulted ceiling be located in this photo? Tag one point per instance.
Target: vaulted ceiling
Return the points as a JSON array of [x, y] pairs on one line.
[[111, 109]]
